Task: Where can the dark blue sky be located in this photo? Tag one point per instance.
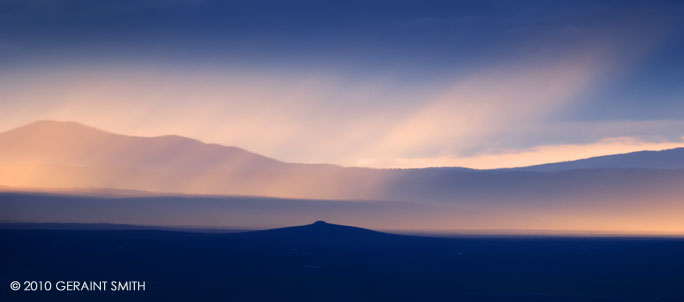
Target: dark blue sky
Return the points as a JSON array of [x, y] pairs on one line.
[[390, 34], [460, 72]]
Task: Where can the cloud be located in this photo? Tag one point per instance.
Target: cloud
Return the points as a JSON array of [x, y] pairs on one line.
[[309, 114]]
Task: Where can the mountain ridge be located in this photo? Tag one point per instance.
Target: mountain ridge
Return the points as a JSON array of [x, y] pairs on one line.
[[72, 155], [41, 156], [657, 159], [595, 162]]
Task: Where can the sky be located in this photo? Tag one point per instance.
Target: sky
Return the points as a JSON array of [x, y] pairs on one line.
[[387, 84]]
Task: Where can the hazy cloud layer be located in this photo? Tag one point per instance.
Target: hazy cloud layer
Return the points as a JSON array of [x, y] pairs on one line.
[[477, 85]]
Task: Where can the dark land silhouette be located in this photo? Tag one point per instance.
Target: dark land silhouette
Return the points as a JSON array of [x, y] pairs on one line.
[[328, 262]]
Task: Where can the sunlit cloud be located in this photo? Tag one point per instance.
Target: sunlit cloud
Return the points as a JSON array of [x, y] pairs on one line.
[[375, 119]]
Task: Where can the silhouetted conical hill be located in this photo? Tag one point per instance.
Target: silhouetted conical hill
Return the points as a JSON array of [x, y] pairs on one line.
[[319, 233]]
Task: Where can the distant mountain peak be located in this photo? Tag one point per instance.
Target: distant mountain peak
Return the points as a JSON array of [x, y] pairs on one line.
[[49, 130], [320, 232], [41, 123], [53, 126]]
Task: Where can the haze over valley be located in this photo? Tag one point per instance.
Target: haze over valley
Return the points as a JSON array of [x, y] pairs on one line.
[[637, 193]]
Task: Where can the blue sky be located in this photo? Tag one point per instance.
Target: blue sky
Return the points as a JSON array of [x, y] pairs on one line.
[[366, 83]]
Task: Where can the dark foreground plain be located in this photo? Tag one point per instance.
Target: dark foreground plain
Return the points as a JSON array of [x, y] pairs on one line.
[[327, 262]]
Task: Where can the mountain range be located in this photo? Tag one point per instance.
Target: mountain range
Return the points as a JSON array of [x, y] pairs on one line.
[[641, 190], [72, 155]]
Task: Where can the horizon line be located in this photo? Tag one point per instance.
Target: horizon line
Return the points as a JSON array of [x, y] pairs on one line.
[[425, 232]]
